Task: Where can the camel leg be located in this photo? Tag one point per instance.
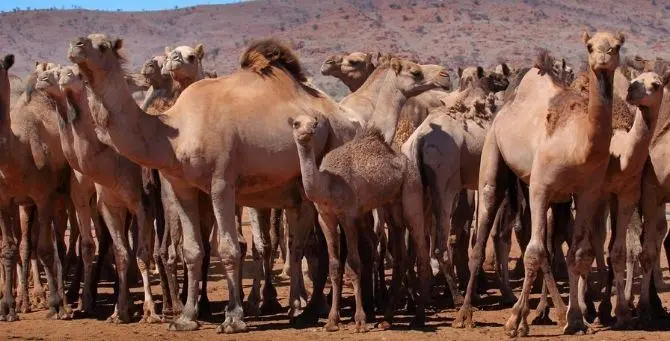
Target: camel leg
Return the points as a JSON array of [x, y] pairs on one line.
[[443, 202], [145, 230], [25, 220], [380, 292], [114, 215], [9, 258], [210, 242], [169, 245], [493, 179], [71, 258], [185, 200], [300, 223], [580, 258], [461, 221], [81, 203], [353, 265], [651, 246], [502, 244], [259, 219], [328, 223], [263, 242], [223, 202]]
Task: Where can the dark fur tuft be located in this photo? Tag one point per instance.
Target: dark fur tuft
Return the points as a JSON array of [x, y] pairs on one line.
[[545, 63], [261, 55]]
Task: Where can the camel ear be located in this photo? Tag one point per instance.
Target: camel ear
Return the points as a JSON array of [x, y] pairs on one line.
[[8, 61], [118, 44], [316, 123], [480, 72], [622, 38], [505, 70], [563, 64], [395, 64], [460, 72], [200, 51], [376, 57], [290, 121], [586, 37], [167, 50]]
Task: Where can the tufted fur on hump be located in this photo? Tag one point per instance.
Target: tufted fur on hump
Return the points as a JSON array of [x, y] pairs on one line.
[[622, 116], [262, 55], [545, 63]]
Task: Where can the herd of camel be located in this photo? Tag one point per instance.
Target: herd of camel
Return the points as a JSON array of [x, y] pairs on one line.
[[391, 176]]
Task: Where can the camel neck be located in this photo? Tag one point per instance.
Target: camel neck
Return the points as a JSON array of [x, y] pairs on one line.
[[79, 116], [600, 99], [313, 181], [5, 103], [142, 138]]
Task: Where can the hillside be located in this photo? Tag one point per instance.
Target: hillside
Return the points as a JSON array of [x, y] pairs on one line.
[[452, 33]]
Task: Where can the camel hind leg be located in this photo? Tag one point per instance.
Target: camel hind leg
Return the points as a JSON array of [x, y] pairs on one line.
[[9, 258], [493, 181]]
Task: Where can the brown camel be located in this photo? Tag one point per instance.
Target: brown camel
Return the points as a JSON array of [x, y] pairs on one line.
[[352, 69], [160, 86], [118, 183], [553, 168], [33, 169], [653, 198]]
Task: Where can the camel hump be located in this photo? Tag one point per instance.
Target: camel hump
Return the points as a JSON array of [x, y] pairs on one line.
[[261, 55]]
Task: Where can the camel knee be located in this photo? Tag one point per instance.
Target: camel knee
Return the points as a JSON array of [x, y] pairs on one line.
[[534, 255], [10, 253], [87, 249]]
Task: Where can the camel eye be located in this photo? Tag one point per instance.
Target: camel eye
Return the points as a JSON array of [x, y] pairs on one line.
[[655, 86], [296, 124], [417, 73], [191, 58], [102, 47], [590, 48]]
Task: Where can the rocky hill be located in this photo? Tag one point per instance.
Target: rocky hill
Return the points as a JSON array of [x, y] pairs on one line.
[[452, 33]]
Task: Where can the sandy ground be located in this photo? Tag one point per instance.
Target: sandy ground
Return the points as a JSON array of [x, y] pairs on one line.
[[489, 320]]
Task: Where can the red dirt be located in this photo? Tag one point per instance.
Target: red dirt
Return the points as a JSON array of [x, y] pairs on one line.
[[34, 326]]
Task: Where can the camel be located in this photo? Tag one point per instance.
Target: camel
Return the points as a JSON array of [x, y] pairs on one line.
[[184, 64], [33, 170], [653, 198], [118, 184], [553, 168], [160, 85], [353, 69], [447, 149]]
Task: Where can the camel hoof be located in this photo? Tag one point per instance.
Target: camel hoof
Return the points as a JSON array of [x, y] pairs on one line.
[[10, 317], [512, 326], [417, 323], [252, 309], [23, 305], [232, 326], [361, 327], [577, 327], [271, 307], [183, 325], [204, 309], [384, 325], [118, 319], [463, 318], [624, 323], [332, 326]]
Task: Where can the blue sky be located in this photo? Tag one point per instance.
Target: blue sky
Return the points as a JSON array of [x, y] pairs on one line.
[[113, 5]]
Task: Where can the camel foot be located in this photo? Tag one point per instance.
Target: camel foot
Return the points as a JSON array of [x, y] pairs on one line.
[[232, 326], [38, 300], [384, 325], [23, 304], [81, 314], [513, 327], [332, 326], [118, 318], [59, 314], [463, 318], [183, 324], [542, 320], [604, 314], [577, 327], [361, 327], [271, 307], [304, 320], [149, 315], [418, 322], [625, 322]]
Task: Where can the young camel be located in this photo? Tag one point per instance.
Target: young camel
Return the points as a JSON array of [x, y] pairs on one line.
[[399, 189], [553, 168], [655, 193], [33, 169], [118, 182]]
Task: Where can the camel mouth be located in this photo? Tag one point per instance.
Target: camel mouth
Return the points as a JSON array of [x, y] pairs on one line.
[[76, 55], [304, 138]]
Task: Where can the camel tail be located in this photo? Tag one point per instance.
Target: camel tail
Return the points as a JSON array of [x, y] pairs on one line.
[[262, 55]]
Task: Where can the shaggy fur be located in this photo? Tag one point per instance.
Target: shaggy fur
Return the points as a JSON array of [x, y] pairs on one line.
[[562, 107], [545, 63], [262, 55]]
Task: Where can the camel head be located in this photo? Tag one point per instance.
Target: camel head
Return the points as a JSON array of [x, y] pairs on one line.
[[603, 48], [5, 64], [357, 65], [96, 54], [211, 74], [332, 65], [304, 128], [498, 80], [71, 80], [151, 69], [184, 62], [413, 79], [470, 75], [47, 82], [646, 90]]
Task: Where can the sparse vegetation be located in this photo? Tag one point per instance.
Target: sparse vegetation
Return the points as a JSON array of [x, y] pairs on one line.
[[315, 27]]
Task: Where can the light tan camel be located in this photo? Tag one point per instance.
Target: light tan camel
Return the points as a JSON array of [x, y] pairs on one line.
[[353, 69], [184, 64], [553, 168], [653, 198], [33, 169], [118, 183]]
